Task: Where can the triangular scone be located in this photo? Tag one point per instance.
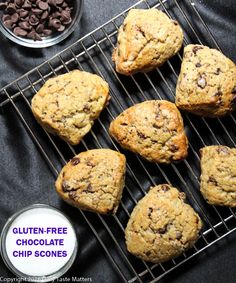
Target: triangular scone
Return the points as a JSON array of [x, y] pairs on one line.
[[207, 82], [162, 225], [93, 180], [67, 105], [146, 39], [154, 129]]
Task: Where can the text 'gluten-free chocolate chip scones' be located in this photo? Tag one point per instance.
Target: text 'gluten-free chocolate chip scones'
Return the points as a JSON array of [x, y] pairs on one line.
[[162, 225], [154, 129], [146, 39], [218, 175], [93, 180], [207, 82], [67, 105]]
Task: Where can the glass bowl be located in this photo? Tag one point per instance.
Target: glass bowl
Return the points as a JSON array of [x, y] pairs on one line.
[[53, 39]]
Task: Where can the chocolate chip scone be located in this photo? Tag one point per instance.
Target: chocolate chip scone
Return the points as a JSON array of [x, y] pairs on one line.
[[146, 39], [93, 180], [154, 129], [218, 175], [162, 225], [67, 105], [207, 82]]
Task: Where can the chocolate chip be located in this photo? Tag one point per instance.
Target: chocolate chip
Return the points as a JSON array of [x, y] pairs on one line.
[[165, 188], [43, 5], [25, 25], [217, 72], [40, 28], [201, 82], [23, 13], [8, 24], [15, 18], [141, 135], [222, 149], [198, 65], [65, 186], [55, 23], [89, 163], [11, 9], [47, 32], [75, 160], [212, 180], [59, 2], [27, 5], [44, 15], [52, 2], [72, 195], [31, 34], [219, 93], [150, 210], [148, 253], [19, 31], [196, 48], [3, 6], [19, 3], [37, 11], [173, 148], [178, 235], [6, 18], [86, 109], [162, 230], [234, 90], [89, 189], [175, 23], [33, 20]]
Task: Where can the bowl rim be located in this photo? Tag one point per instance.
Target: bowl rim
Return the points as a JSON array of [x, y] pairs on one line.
[[47, 42]]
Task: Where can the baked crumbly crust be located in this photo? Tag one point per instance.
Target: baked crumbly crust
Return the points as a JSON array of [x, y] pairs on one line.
[[67, 105], [93, 180], [218, 175], [207, 82], [146, 39], [162, 226], [154, 129]]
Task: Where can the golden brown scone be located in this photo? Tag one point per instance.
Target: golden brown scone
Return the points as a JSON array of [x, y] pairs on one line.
[[207, 82], [218, 176], [146, 40], [154, 129], [67, 105], [162, 225], [93, 180]]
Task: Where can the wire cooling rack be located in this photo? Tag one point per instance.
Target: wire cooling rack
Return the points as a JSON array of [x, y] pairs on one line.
[[93, 53]]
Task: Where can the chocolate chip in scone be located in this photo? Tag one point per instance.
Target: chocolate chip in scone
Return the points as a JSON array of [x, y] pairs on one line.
[[196, 48], [89, 189], [198, 65], [150, 210], [72, 194], [162, 230], [223, 150], [165, 188], [141, 135], [75, 160], [217, 72], [89, 163], [173, 148], [212, 180], [178, 235], [65, 186]]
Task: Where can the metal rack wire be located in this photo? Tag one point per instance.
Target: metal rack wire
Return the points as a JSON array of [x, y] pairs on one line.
[[93, 53]]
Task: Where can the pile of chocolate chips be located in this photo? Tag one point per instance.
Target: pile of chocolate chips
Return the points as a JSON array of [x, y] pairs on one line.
[[35, 19]]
